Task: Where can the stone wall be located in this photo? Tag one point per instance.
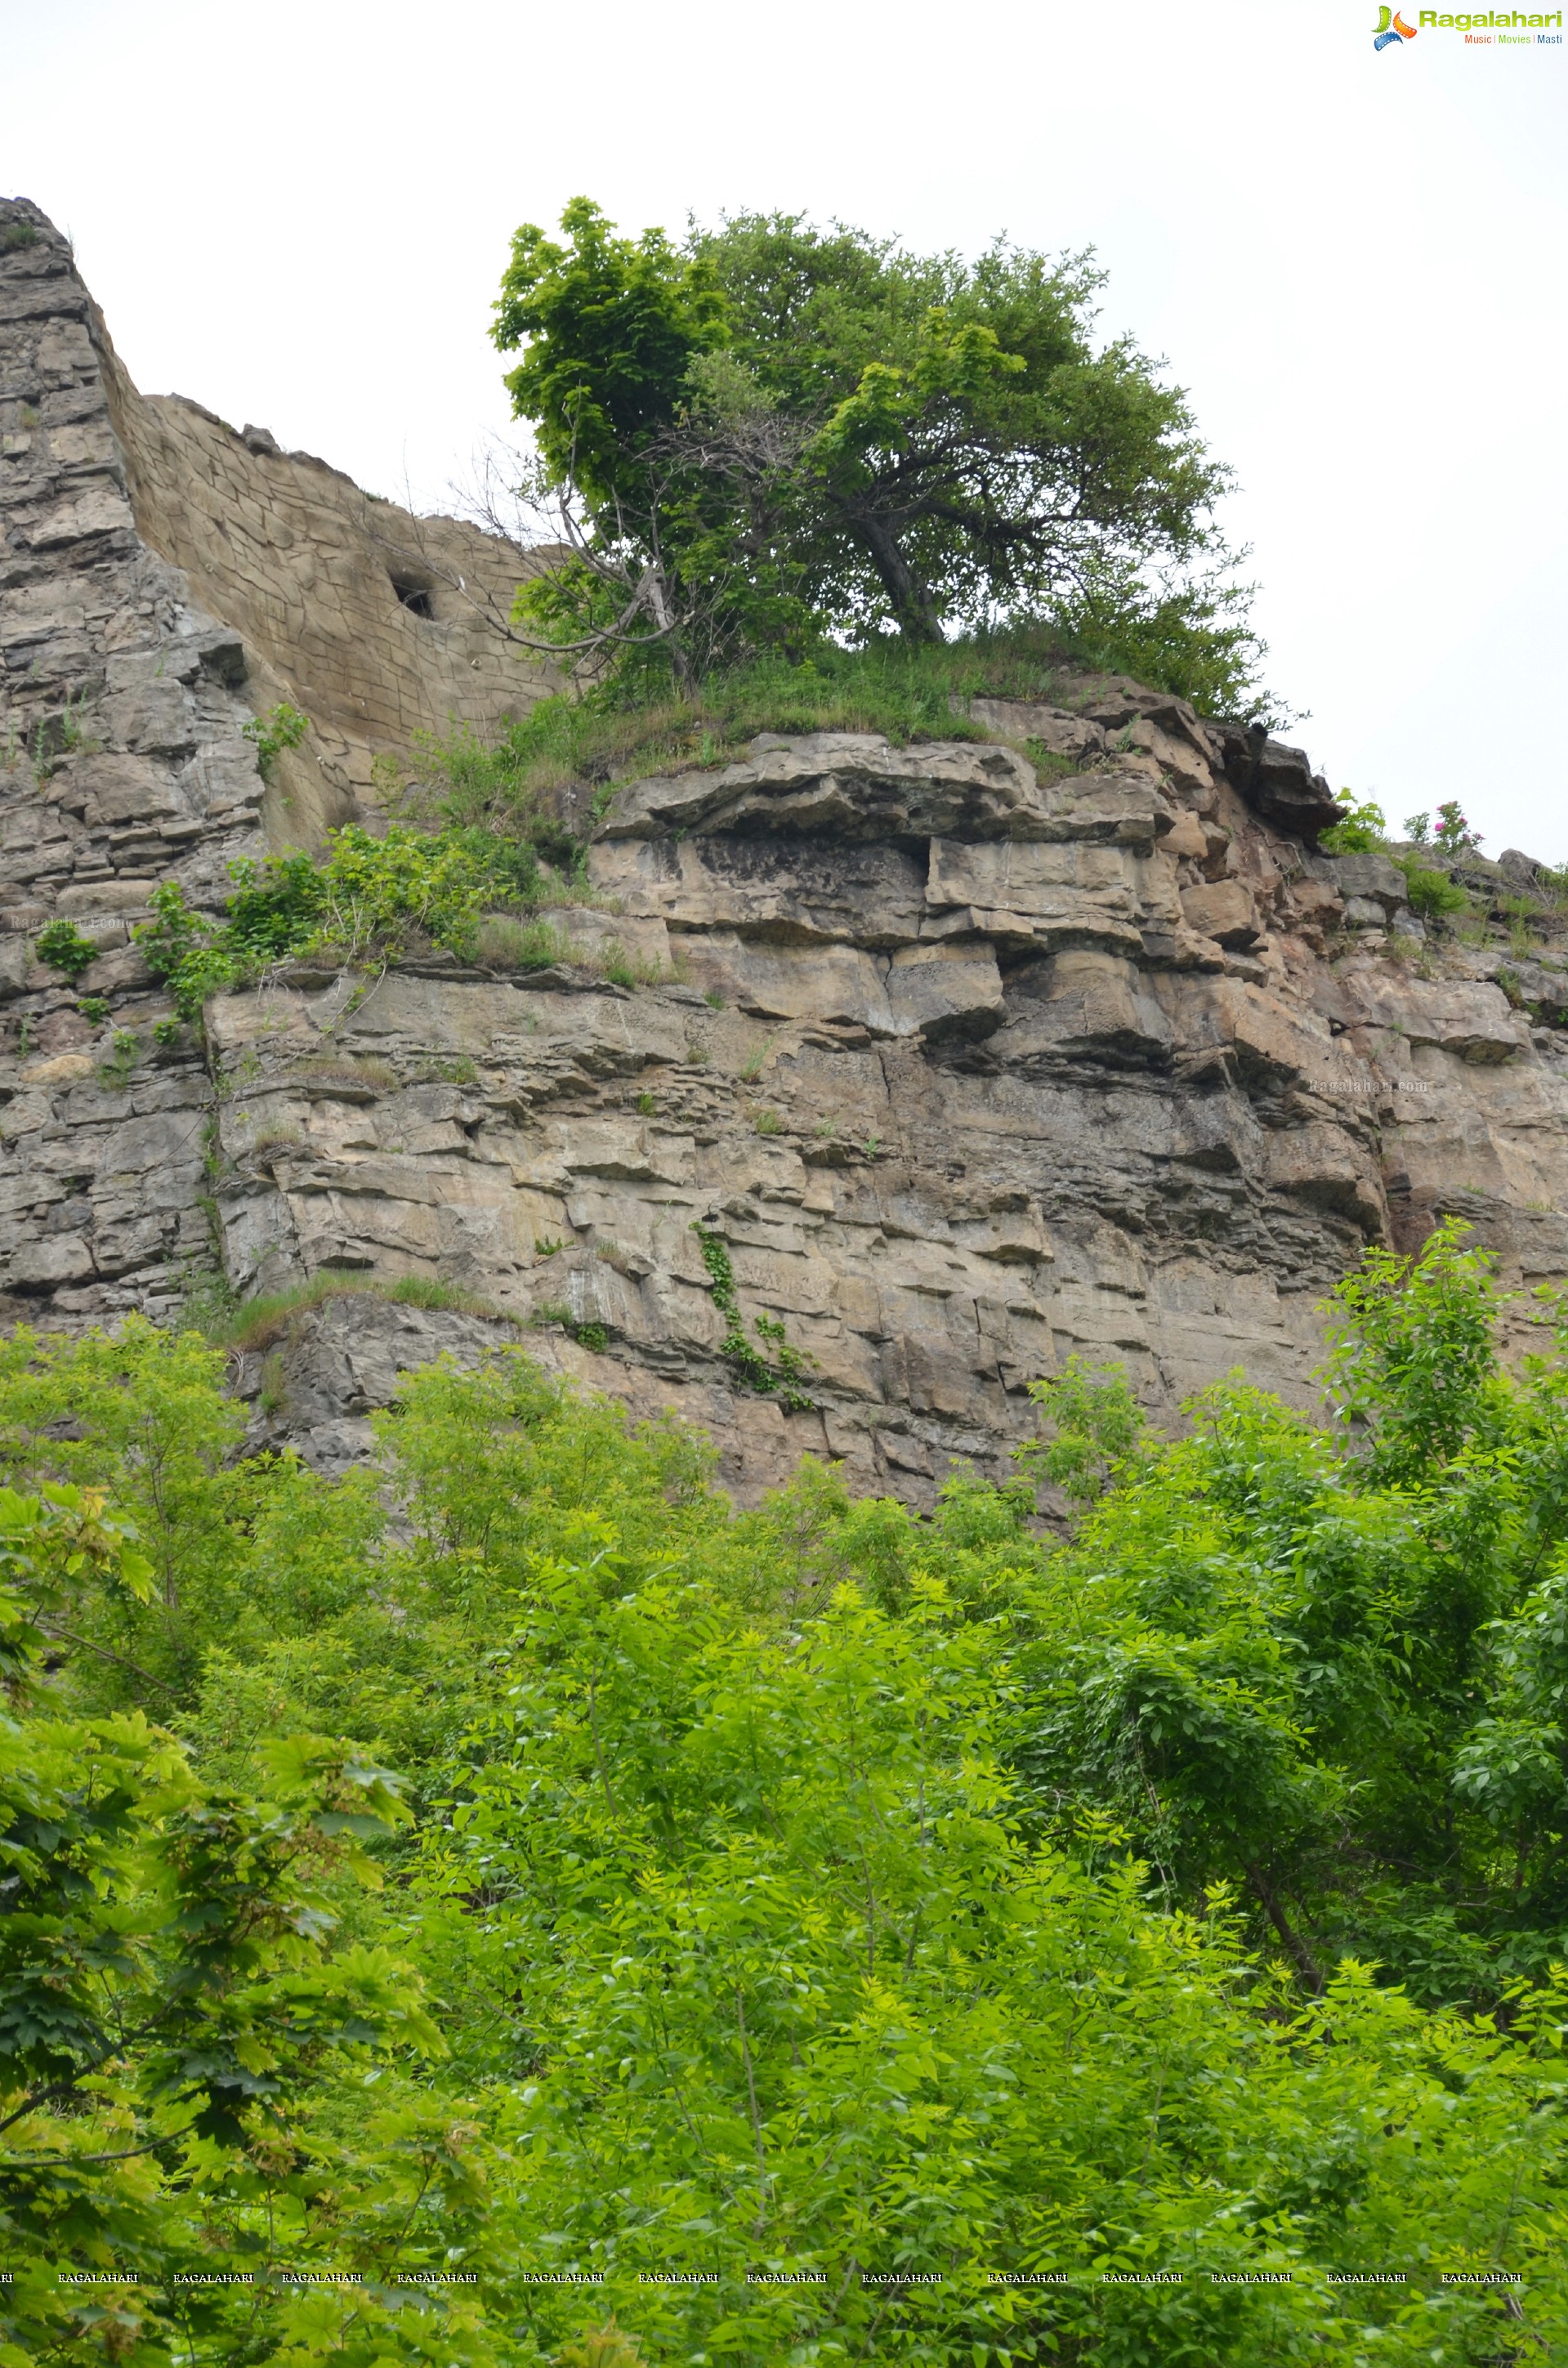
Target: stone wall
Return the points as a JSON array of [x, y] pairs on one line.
[[317, 578], [974, 1056]]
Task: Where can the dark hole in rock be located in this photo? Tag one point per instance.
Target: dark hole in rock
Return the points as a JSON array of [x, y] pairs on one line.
[[416, 598]]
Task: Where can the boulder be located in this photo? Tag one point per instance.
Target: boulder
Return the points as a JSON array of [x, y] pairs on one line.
[[1086, 1006], [941, 992], [1370, 877], [44, 1265], [843, 784], [1277, 780], [1469, 1018], [1223, 911], [1053, 728], [1042, 896], [781, 886], [119, 787]]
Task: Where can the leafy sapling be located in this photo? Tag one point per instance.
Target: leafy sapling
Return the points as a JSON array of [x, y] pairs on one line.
[[282, 727], [61, 946]]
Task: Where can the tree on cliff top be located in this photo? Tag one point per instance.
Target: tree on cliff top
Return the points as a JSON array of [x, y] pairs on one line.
[[782, 432], [971, 453]]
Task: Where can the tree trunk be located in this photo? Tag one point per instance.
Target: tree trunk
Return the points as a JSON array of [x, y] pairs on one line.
[[1309, 1969], [664, 618], [911, 604]]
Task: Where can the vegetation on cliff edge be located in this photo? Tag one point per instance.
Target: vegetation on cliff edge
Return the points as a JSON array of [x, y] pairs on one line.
[[781, 437]]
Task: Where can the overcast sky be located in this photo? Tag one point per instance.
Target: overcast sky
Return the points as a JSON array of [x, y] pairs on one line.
[[1355, 261]]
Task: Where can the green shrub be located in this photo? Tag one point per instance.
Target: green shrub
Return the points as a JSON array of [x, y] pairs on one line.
[[282, 727], [1431, 894], [1363, 830], [125, 1051], [1453, 834], [276, 906], [61, 946], [781, 1373], [362, 902]]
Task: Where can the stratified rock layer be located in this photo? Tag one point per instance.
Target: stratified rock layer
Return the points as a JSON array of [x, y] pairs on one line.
[[972, 1055]]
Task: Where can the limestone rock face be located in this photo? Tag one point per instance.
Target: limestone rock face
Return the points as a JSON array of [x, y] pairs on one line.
[[975, 1054], [851, 786]]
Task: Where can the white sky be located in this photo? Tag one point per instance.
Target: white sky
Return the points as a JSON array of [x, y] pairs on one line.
[[1355, 262]]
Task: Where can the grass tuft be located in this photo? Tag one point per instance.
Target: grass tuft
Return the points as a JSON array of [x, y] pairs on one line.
[[271, 1138], [347, 1069], [429, 1290], [506, 944], [263, 1323]]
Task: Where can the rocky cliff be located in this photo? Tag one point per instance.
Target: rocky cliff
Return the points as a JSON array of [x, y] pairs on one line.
[[884, 1078]]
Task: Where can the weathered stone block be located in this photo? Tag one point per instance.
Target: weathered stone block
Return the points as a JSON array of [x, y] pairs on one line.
[[42, 1266], [1225, 911], [942, 992], [1370, 876]]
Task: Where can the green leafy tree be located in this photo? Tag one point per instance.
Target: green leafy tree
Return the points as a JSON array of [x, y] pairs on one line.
[[611, 326], [971, 451], [172, 2001], [787, 433]]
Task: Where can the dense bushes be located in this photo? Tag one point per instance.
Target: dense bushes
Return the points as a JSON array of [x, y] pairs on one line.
[[836, 1935]]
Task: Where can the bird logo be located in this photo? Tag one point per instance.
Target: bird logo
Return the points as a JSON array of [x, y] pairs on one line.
[[1393, 31]]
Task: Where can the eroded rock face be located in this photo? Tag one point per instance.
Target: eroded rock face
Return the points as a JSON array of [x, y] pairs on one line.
[[974, 1055], [122, 763], [959, 1108]]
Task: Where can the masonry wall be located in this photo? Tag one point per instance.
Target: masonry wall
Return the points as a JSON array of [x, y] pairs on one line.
[[307, 568]]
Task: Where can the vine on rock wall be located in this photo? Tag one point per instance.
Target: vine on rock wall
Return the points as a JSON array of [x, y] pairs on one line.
[[784, 1373]]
